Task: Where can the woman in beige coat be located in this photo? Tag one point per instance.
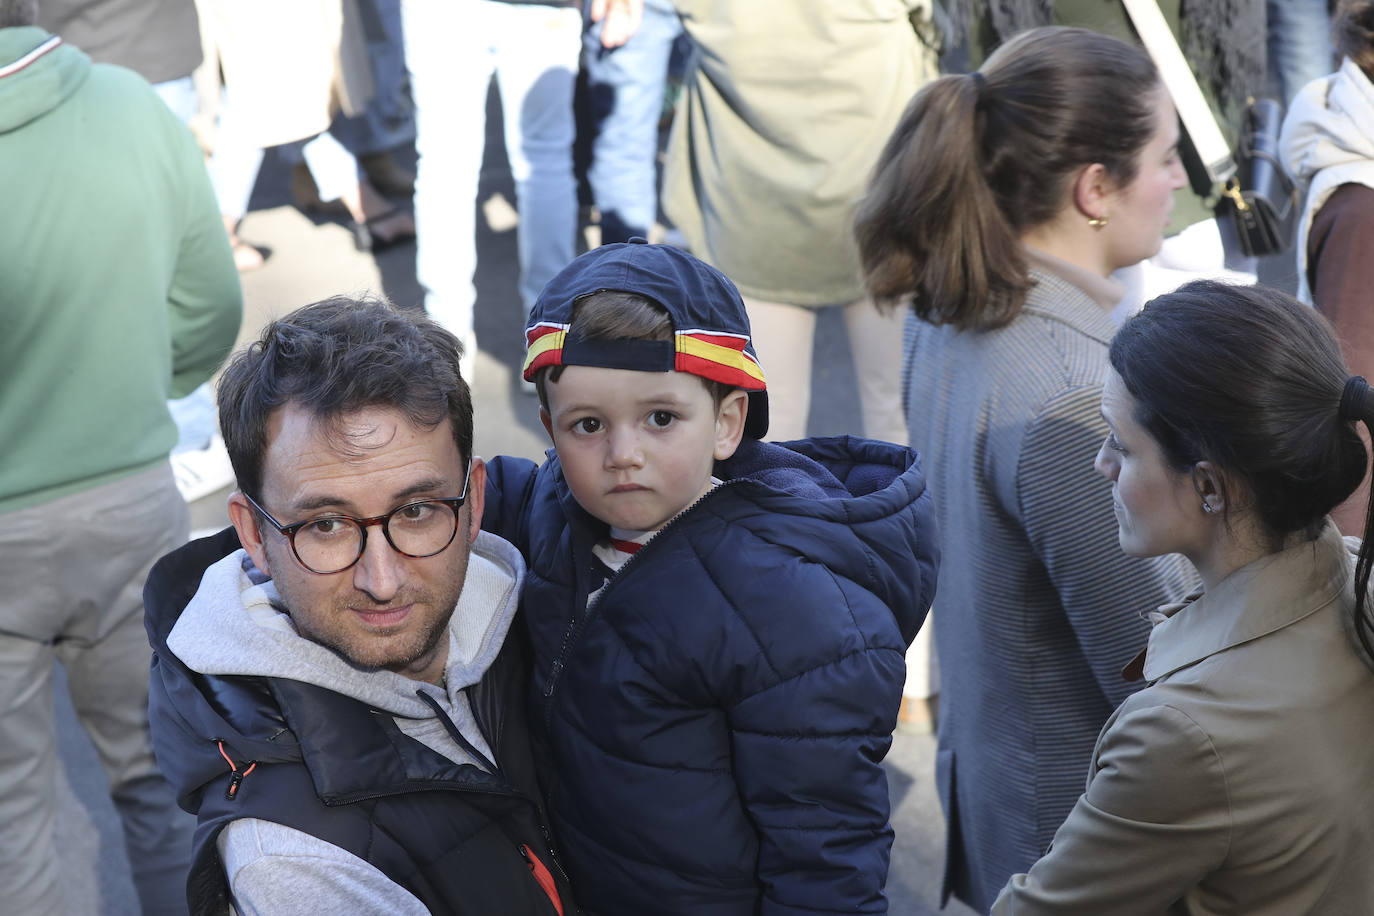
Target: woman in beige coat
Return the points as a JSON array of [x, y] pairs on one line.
[[1238, 781]]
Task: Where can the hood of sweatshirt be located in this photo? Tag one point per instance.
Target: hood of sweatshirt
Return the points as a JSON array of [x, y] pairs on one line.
[[236, 625], [37, 72], [1327, 141], [1330, 123]]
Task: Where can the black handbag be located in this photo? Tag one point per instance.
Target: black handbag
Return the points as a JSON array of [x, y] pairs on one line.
[[1260, 200]]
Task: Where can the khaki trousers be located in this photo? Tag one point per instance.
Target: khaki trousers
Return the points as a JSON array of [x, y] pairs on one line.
[[73, 571]]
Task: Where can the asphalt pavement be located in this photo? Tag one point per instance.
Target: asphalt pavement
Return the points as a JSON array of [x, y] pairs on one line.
[[311, 257]]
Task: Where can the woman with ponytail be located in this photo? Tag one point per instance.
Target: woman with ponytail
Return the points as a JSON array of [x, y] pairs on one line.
[[1238, 781], [997, 212]]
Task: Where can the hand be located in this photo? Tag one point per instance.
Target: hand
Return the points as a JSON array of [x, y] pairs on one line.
[[622, 18]]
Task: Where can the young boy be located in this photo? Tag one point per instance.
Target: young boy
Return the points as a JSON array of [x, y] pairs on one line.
[[718, 623]]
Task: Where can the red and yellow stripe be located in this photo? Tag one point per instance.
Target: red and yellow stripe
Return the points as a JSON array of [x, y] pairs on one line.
[[715, 356]]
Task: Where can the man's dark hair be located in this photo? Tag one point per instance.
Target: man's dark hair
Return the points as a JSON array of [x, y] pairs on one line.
[[332, 358], [18, 12]]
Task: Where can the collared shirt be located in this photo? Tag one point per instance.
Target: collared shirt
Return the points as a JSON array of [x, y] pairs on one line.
[[1105, 291]]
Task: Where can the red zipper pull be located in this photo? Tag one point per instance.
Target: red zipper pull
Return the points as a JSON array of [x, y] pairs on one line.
[[236, 775]]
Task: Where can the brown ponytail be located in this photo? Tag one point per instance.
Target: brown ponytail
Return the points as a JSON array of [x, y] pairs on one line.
[[930, 222]]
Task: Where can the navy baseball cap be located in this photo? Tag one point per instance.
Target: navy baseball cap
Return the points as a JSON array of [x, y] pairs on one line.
[[711, 328]]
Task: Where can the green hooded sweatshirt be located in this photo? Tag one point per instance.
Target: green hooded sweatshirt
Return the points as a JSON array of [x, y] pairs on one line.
[[117, 285]]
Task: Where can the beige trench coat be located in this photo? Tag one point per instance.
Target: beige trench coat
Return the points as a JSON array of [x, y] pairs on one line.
[[1241, 781], [289, 66]]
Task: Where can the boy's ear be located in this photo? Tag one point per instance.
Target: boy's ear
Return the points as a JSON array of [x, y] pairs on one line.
[[734, 407], [547, 421]]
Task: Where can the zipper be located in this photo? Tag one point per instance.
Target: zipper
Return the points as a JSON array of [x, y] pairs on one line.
[[579, 622], [542, 876], [553, 852], [456, 735]]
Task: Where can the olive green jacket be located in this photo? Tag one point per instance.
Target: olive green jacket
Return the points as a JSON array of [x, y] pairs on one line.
[[784, 112]]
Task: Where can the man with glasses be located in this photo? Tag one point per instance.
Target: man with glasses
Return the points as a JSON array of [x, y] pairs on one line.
[[337, 691]]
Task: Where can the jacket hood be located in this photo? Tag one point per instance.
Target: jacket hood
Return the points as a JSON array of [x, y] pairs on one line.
[[211, 614], [236, 625], [1330, 123], [859, 506], [37, 71], [1327, 141]]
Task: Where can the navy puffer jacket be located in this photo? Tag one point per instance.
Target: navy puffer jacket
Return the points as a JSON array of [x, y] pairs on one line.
[[713, 725]]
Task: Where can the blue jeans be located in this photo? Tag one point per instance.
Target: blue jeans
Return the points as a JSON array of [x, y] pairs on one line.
[[1300, 48], [453, 50], [626, 85], [388, 121]]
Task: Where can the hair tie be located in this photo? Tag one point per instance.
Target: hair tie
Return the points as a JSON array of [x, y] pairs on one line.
[[980, 83], [1355, 399]]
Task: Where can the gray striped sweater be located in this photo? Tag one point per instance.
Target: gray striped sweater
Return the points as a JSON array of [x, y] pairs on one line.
[[1038, 608]]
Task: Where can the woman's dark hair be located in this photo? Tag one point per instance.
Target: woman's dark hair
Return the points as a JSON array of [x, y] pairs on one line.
[[1251, 380], [978, 159], [332, 358], [1352, 32]]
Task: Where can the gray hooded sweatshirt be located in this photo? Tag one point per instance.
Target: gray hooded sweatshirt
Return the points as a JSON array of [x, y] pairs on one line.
[[236, 625]]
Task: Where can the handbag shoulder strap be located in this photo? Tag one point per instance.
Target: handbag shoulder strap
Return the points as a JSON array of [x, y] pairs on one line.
[[1182, 85]]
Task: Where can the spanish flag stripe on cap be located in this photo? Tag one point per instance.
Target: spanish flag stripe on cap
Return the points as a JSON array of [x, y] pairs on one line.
[[536, 331], [733, 341], [727, 364], [547, 343]]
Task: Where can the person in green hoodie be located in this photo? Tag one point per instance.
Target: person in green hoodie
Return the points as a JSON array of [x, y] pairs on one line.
[[117, 291]]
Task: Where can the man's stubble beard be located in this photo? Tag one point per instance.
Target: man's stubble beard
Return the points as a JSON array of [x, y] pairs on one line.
[[339, 633]]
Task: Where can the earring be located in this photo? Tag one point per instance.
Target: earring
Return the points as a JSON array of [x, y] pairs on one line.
[[1097, 222], [1209, 508]]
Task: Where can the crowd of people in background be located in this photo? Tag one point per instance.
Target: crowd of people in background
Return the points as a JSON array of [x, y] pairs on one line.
[[659, 672]]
